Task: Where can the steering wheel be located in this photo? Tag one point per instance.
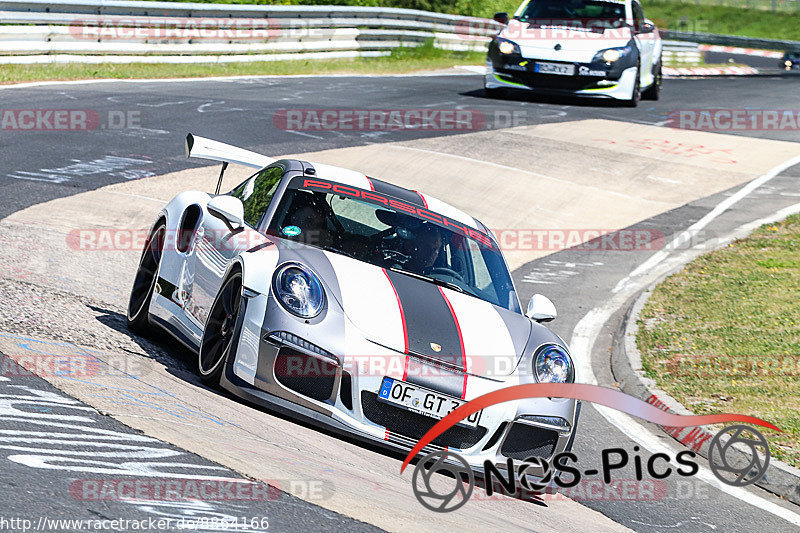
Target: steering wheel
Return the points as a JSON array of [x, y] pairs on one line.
[[448, 272]]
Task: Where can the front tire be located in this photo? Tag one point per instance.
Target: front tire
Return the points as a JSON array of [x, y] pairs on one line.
[[220, 331], [636, 93], [138, 315], [654, 91]]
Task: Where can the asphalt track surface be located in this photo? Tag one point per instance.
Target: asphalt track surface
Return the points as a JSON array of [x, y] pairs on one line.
[[241, 112], [766, 63]]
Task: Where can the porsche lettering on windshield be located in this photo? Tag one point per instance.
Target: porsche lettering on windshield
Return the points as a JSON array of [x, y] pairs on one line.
[[441, 220]]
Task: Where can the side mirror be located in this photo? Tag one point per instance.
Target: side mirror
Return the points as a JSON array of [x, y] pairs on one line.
[[647, 27], [501, 17], [541, 309], [228, 209]]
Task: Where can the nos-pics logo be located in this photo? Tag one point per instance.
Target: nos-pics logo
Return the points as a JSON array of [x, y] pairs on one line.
[[443, 480]]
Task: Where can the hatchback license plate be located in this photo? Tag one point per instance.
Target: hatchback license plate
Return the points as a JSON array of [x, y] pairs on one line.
[[555, 68]]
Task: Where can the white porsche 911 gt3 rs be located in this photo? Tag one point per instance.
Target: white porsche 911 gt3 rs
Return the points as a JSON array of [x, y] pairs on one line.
[[351, 302], [588, 48]]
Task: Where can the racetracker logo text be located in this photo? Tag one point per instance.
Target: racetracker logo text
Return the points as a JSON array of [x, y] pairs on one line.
[[111, 28], [379, 119], [67, 120], [735, 119]]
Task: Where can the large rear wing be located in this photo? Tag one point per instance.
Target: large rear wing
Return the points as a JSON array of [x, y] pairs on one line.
[[203, 148]]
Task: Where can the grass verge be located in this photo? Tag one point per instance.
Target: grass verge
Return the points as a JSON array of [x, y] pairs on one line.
[[402, 60], [674, 15], [724, 20], [723, 335]]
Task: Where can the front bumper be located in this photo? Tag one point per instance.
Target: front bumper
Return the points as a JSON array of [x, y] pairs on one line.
[[594, 80], [340, 392]]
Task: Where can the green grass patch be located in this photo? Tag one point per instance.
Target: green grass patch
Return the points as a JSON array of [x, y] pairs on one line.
[[723, 335], [673, 15], [402, 60], [724, 20]]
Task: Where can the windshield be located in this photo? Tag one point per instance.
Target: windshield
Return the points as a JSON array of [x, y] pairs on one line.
[[395, 235], [553, 11]]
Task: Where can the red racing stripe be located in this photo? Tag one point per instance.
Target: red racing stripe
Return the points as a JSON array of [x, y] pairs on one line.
[[371, 185], [424, 202], [403, 320], [460, 341]]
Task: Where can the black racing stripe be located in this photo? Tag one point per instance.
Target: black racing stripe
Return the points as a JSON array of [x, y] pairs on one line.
[[389, 189], [429, 320]]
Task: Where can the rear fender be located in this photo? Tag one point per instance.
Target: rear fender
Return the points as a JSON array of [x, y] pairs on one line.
[[172, 260]]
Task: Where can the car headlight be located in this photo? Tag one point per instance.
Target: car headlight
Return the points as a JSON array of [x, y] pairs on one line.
[[612, 55], [299, 290], [552, 364], [787, 63], [507, 47]]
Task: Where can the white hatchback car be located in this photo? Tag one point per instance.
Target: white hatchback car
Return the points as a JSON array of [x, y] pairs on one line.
[[592, 48]]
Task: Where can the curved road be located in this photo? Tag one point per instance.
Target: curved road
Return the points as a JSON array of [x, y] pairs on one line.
[[563, 162]]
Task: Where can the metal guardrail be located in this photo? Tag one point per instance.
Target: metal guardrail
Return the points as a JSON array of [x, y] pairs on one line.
[[288, 15], [682, 52], [44, 30], [732, 40], [93, 30]]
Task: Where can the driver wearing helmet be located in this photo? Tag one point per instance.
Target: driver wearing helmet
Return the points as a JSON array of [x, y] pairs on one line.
[[425, 249]]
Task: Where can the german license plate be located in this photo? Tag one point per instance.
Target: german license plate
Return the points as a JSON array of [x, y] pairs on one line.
[[555, 68], [423, 401]]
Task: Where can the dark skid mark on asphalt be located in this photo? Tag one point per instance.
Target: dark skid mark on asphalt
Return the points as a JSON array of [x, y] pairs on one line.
[[30, 489], [241, 113]]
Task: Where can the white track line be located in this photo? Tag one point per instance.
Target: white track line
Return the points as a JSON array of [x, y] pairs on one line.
[[686, 236], [132, 195], [588, 328], [514, 169]]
